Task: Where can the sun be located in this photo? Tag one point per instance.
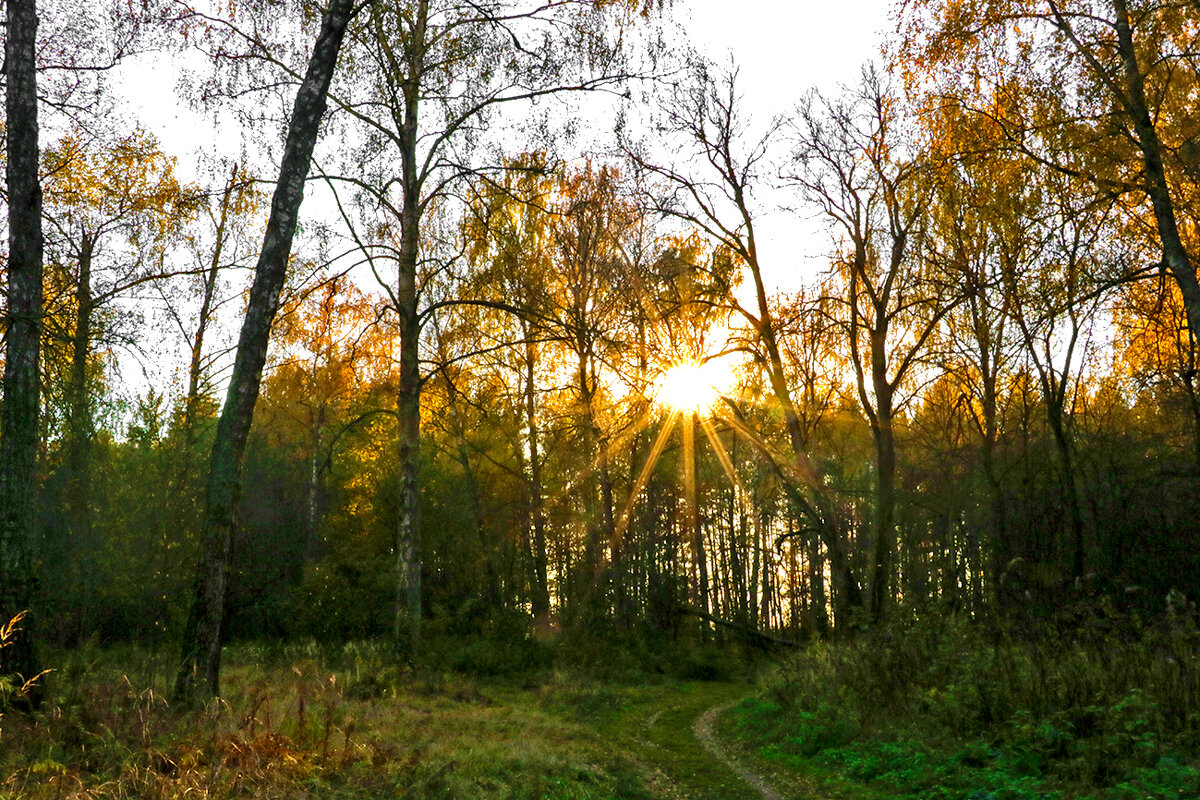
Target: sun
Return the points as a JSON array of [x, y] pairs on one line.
[[692, 387]]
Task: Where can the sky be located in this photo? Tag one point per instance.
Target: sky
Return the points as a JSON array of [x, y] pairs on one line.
[[786, 46], [783, 49]]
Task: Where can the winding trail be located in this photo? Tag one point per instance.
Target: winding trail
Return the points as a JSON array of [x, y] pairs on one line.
[[703, 728]]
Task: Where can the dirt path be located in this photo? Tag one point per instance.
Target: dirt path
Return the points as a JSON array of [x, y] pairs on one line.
[[704, 732]]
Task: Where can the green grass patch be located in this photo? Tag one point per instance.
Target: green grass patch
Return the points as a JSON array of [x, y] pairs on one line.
[[944, 710]]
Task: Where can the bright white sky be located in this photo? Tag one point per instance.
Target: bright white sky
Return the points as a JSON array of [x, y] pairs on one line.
[[784, 48]]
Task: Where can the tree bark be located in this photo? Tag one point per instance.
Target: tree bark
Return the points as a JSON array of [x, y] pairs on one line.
[[1062, 442], [406, 628], [80, 420], [22, 383], [885, 476], [200, 661], [1156, 186]]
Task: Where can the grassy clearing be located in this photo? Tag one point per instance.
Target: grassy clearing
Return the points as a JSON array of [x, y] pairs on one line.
[[296, 722], [942, 710]]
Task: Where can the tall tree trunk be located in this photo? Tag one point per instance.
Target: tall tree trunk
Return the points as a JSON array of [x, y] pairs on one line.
[[540, 588], [885, 502], [79, 423], [1001, 547], [406, 629], [79, 433], [1070, 490], [816, 585], [200, 661], [738, 550], [22, 384]]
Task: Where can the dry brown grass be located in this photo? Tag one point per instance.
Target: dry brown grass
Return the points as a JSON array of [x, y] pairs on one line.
[[298, 729]]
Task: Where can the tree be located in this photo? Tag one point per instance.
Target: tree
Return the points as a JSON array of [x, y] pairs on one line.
[[443, 72], [200, 663], [983, 224], [236, 205], [335, 357], [854, 169], [19, 412], [1086, 88], [1053, 301], [507, 234], [714, 192], [115, 209]]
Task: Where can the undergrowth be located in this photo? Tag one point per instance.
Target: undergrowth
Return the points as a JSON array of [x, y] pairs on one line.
[[302, 721], [1092, 703]]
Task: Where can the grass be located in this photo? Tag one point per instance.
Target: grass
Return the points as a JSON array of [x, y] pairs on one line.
[[941, 709], [931, 709], [302, 722]]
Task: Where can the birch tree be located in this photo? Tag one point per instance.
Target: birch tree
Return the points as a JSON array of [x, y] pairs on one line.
[[200, 662]]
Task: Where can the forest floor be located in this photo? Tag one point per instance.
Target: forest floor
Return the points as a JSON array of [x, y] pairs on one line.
[[297, 728], [298, 723]]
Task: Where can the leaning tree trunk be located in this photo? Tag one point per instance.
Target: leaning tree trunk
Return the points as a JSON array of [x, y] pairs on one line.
[[200, 663], [22, 385], [1175, 255]]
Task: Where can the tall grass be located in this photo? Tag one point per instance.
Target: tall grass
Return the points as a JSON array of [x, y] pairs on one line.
[[1091, 701], [13, 688], [295, 721]]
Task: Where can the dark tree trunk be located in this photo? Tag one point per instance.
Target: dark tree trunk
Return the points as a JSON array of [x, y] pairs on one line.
[[540, 588], [1175, 255], [885, 498], [79, 434], [1062, 443], [79, 422], [200, 662], [22, 385]]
